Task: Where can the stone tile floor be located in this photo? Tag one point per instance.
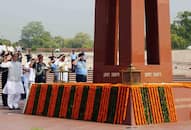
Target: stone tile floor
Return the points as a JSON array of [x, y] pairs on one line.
[[15, 120]]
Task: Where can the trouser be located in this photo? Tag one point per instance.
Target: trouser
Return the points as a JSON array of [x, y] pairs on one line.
[[73, 66], [4, 99], [81, 78], [26, 86], [4, 80], [13, 100]]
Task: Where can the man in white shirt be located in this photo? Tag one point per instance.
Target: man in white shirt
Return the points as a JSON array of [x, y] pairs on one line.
[[63, 68], [13, 87]]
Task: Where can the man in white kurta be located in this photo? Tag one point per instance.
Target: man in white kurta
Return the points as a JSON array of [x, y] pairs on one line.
[[14, 86]]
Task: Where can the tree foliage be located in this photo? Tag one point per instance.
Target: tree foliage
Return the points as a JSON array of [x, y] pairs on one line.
[[181, 30], [34, 36], [5, 42], [81, 40]]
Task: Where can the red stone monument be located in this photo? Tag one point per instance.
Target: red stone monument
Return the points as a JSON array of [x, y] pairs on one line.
[[132, 32], [132, 45]]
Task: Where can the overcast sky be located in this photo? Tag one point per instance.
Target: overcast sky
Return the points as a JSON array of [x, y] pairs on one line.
[[60, 17]]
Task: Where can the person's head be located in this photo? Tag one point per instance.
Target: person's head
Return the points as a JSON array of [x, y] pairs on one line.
[[40, 58], [32, 60], [62, 58], [19, 52], [81, 56], [28, 57], [15, 56], [73, 51]]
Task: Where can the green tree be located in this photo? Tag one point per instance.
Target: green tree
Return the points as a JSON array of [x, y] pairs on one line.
[[5, 42], [178, 42], [34, 36], [81, 40], [59, 41], [181, 30], [32, 31]]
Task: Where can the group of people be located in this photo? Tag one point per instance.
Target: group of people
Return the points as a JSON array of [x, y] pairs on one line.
[[16, 78], [59, 66]]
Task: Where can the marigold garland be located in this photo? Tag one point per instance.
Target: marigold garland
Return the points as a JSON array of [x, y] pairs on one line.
[[90, 103], [104, 102], [53, 98], [37, 94], [42, 99], [31, 98], [47, 101], [58, 101], [77, 101], [65, 101]]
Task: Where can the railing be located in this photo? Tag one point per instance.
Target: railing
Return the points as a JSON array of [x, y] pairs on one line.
[[71, 76]]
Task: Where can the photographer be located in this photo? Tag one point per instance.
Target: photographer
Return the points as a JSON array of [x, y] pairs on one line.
[[81, 69]]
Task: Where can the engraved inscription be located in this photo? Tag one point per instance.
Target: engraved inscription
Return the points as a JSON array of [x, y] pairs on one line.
[[115, 74], [106, 74], [157, 74], [153, 74], [148, 74]]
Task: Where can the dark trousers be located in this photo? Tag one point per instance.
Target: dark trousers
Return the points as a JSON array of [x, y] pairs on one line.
[[81, 78], [73, 66], [4, 81], [40, 79]]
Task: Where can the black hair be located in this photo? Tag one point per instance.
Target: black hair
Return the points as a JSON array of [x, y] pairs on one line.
[[80, 54]]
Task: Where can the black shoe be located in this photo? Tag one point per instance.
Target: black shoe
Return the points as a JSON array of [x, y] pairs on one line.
[[5, 104], [11, 108], [17, 108]]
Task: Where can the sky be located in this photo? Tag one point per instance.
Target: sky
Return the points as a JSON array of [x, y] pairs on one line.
[[60, 17]]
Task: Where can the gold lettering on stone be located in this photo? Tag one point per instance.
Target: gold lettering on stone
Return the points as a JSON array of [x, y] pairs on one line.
[[115, 74], [148, 74], [157, 74], [106, 74]]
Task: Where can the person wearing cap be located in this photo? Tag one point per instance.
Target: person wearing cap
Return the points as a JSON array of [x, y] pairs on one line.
[[40, 70], [62, 65], [53, 68], [73, 57], [80, 69], [13, 87]]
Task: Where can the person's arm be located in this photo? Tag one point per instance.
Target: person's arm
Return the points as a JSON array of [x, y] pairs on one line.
[[76, 61], [5, 64], [57, 61]]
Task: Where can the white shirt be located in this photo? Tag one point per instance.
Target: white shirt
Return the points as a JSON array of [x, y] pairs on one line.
[[15, 70], [26, 74], [32, 75], [62, 66]]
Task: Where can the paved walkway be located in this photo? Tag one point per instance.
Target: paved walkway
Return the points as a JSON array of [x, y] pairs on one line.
[[15, 120]]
